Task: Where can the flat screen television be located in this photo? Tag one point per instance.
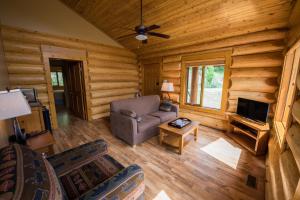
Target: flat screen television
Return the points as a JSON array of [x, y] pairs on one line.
[[254, 110]]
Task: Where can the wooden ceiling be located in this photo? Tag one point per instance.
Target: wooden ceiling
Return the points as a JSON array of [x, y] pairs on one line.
[[189, 22]]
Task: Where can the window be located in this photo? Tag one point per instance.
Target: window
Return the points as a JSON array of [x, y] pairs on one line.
[[205, 81], [205, 85], [57, 79], [287, 94]]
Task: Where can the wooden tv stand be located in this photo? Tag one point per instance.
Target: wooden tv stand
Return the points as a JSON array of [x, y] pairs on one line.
[[251, 135]]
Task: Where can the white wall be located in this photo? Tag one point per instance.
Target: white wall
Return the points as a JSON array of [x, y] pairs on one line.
[[50, 16]]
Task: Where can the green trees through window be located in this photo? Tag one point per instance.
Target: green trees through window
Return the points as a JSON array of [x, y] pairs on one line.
[[205, 85], [57, 79]]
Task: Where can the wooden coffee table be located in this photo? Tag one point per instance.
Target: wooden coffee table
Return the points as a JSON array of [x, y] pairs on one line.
[[176, 137]]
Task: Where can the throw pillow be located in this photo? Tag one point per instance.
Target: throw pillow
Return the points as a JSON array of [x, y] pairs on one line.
[[165, 106], [128, 113]]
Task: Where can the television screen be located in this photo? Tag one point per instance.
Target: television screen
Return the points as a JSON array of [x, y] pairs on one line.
[[255, 110], [30, 95]]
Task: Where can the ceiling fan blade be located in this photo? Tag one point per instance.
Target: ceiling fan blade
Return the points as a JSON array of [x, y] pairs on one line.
[[144, 41], [158, 35], [126, 36], [152, 27]]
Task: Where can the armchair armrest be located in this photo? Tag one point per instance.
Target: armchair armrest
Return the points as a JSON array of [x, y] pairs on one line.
[[175, 108], [127, 184], [124, 127], [76, 157]]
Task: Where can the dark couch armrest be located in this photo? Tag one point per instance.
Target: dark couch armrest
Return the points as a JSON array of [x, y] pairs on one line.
[[76, 157], [175, 108], [124, 127], [126, 184]]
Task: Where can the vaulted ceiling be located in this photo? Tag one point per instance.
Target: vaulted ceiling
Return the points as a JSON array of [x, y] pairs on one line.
[[188, 22]]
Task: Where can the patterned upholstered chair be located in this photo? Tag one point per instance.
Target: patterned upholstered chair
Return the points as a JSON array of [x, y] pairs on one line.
[[85, 172]]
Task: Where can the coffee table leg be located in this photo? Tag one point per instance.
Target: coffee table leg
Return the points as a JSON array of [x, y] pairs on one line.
[[196, 134], [181, 145], [161, 136]]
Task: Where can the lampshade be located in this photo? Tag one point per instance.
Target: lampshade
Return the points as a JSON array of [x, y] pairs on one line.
[[167, 87], [13, 104]]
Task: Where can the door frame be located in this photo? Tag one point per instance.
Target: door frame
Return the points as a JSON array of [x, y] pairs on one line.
[[67, 54]]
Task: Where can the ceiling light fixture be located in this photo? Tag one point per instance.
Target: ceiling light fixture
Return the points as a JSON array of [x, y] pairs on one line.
[[141, 37]]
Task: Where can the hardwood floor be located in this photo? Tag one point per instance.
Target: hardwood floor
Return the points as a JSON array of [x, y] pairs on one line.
[[193, 175]]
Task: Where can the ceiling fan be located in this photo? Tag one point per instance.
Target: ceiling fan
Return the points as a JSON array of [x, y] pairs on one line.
[[142, 32]]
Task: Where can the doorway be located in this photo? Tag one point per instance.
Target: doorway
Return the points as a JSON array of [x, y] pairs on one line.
[[77, 57], [67, 81]]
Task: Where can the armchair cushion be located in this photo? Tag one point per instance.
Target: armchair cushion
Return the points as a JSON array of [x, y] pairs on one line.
[[147, 122], [76, 157], [25, 174], [80, 180], [164, 116], [126, 184]]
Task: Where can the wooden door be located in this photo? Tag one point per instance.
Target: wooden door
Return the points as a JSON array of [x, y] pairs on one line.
[[151, 79], [75, 84]]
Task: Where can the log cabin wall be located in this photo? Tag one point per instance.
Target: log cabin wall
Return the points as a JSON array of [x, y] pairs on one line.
[[255, 71], [282, 161], [5, 125], [113, 71], [294, 22]]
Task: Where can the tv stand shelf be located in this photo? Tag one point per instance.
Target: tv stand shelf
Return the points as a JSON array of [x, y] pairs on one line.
[[251, 135]]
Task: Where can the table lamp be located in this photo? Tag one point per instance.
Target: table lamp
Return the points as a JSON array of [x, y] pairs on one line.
[[167, 87], [12, 105]]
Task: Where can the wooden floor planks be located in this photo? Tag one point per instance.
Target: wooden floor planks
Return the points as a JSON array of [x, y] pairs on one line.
[[193, 175]]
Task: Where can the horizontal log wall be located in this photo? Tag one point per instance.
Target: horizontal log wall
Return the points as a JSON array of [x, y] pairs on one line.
[[113, 72], [255, 71]]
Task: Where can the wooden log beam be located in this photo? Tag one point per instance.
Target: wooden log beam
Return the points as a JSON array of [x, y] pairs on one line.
[[100, 115], [100, 109], [111, 64], [262, 36], [111, 57], [123, 72], [21, 47], [114, 85], [171, 66], [266, 85], [256, 72], [15, 68], [259, 47], [258, 60], [16, 79], [107, 100], [23, 58], [112, 78], [113, 92]]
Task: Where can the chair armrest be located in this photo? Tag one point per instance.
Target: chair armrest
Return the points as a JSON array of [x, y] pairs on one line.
[[76, 157], [127, 184], [124, 127], [175, 108]]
